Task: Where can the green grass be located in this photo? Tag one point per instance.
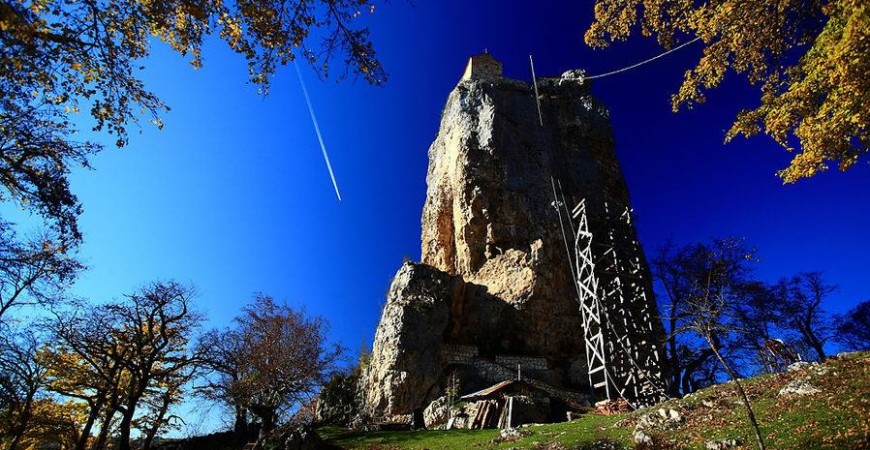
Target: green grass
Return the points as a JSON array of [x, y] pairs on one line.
[[837, 418], [431, 439], [589, 429]]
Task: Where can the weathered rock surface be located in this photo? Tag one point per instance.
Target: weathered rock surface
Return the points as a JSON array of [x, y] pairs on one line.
[[612, 407], [488, 215], [662, 419], [511, 434], [799, 387], [801, 365], [641, 437], [436, 413], [288, 438], [722, 444], [405, 366]]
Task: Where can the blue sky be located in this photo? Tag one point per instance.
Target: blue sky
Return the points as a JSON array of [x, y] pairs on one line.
[[232, 196]]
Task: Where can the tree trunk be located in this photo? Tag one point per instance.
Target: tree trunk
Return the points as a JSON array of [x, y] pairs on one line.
[[126, 425], [267, 422], [17, 434], [15, 440], [158, 422], [743, 395], [106, 427], [124, 429], [240, 427], [688, 382], [676, 370], [129, 411], [23, 421], [82, 441], [816, 345]]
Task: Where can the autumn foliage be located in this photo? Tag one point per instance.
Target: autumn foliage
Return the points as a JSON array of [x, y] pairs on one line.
[[810, 59], [59, 58]]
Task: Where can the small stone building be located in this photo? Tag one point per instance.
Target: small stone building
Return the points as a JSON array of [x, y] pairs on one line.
[[482, 67]]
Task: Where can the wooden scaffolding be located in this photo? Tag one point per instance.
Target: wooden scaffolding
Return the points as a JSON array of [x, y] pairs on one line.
[[622, 348]]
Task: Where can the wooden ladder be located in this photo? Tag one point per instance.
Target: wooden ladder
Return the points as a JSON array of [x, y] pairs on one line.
[[250, 446]]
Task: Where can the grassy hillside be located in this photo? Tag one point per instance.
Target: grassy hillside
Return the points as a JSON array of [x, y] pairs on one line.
[[837, 416]]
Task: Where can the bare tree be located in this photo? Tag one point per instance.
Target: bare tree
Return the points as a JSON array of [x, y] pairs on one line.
[[691, 363], [853, 328], [220, 353], [766, 343], [706, 283], [801, 311], [32, 271], [710, 306], [21, 378]]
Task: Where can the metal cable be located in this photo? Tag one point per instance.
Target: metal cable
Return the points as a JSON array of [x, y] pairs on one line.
[[625, 69]]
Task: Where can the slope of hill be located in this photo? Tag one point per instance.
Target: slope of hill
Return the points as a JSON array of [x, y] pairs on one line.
[[812, 406]]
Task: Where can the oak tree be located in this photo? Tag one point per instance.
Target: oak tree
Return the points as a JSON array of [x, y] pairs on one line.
[[810, 60], [282, 358], [62, 57], [157, 324], [52, 423], [127, 361], [84, 365]]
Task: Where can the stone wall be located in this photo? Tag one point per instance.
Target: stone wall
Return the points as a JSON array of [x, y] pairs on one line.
[[459, 354], [534, 370], [526, 363], [482, 67]]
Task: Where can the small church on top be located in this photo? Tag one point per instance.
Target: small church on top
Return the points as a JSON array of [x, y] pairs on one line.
[[482, 67]]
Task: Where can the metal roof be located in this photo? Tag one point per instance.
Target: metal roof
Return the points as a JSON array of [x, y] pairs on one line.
[[494, 389]]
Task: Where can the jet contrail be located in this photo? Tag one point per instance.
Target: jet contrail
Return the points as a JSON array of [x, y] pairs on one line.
[[317, 130]]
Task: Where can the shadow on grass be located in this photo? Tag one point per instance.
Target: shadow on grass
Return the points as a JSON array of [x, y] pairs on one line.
[[341, 438]]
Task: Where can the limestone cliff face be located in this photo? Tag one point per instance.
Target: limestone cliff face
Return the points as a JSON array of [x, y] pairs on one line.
[[488, 215], [404, 369], [494, 278], [490, 167]]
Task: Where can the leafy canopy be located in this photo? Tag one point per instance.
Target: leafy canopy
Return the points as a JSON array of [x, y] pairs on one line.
[[58, 57], [810, 58], [275, 357]]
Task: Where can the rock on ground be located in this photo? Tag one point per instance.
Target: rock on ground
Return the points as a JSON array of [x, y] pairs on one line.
[[295, 439], [799, 387], [641, 437], [723, 444]]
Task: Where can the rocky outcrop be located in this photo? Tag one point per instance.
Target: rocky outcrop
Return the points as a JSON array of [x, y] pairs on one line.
[[488, 215], [494, 273], [290, 437], [405, 365]]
